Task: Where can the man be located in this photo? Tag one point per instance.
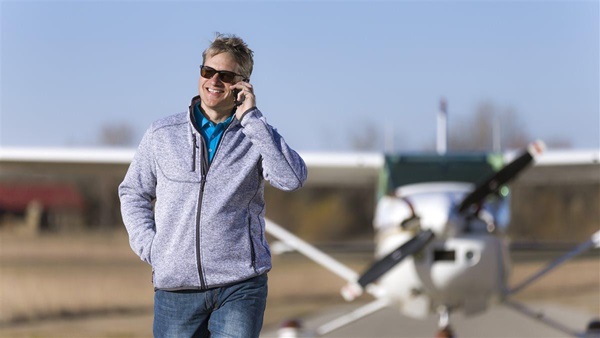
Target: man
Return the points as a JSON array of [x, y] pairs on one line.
[[193, 202]]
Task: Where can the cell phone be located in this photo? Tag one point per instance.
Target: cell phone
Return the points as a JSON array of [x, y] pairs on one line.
[[235, 100], [235, 95]]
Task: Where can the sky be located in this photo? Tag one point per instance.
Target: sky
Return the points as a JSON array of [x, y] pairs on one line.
[[324, 70]]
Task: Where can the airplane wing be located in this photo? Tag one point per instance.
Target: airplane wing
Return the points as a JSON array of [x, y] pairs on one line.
[[325, 168], [66, 155]]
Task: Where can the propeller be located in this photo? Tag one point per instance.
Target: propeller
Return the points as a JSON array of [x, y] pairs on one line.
[[500, 178], [386, 263], [423, 237]]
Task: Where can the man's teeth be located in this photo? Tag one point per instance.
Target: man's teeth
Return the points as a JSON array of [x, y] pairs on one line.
[[214, 90]]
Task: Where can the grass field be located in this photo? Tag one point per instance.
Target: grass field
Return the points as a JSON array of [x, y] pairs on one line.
[[94, 286]]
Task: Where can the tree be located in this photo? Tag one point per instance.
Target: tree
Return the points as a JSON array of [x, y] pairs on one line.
[[116, 134], [471, 133], [479, 131], [366, 138]]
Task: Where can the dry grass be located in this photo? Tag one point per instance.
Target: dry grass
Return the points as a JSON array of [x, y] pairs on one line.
[[52, 277], [93, 285], [575, 284]]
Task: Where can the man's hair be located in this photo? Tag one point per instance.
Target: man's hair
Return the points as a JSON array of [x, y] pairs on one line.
[[236, 47]]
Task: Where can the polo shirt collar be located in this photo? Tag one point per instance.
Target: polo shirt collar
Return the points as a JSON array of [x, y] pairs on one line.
[[204, 121]]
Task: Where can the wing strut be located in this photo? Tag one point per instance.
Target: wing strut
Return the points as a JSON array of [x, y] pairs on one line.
[[353, 316], [310, 251], [594, 242], [539, 316]]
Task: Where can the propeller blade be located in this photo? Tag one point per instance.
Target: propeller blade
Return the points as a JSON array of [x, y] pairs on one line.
[[388, 262], [504, 175]]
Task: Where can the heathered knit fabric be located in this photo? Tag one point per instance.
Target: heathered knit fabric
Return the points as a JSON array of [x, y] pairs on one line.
[[214, 237]]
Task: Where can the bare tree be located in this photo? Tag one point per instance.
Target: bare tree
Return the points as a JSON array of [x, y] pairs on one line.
[[116, 134], [513, 132], [472, 133], [476, 132], [368, 137], [489, 128]]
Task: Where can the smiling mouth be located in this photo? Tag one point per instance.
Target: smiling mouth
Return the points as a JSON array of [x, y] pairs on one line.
[[214, 91]]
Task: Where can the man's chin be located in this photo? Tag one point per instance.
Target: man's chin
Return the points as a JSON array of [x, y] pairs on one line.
[[218, 106]]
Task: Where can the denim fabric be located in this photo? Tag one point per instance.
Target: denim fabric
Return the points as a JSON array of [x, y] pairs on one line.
[[234, 311]]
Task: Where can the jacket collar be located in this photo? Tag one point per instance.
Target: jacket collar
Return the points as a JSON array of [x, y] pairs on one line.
[[191, 119]]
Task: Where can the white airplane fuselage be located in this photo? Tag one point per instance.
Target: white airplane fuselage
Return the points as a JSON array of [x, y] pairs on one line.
[[464, 267]]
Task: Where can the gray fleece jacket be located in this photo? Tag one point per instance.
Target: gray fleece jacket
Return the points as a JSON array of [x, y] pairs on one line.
[[202, 226]]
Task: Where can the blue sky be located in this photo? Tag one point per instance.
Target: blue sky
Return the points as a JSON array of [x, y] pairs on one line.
[[323, 70]]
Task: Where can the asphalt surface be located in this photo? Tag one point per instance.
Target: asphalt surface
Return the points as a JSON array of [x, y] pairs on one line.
[[499, 321]]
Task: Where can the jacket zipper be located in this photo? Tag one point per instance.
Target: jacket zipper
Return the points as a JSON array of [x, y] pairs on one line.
[[200, 197], [204, 168], [198, 255]]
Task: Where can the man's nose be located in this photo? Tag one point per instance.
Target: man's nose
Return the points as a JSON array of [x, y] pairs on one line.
[[215, 78]]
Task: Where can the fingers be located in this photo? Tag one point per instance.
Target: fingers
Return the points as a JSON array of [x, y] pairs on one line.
[[246, 93], [245, 88]]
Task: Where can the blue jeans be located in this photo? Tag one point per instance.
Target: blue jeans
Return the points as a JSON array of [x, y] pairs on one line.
[[234, 311]]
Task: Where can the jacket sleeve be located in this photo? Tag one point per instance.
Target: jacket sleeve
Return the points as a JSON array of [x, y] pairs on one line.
[[137, 193], [283, 168]]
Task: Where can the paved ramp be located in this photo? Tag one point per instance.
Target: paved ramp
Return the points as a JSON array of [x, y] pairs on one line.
[[499, 321]]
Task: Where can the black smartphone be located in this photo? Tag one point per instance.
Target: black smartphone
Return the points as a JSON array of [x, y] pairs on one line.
[[235, 100], [235, 95]]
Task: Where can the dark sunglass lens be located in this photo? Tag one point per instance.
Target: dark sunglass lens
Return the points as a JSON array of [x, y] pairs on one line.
[[207, 72], [226, 77]]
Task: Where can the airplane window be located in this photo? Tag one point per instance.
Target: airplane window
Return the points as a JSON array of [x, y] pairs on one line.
[[444, 255]]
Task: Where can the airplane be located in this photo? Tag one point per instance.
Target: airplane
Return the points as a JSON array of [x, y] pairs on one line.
[[440, 224], [440, 232], [441, 243]]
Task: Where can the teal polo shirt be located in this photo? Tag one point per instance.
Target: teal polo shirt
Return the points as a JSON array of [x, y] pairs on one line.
[[211, 132]]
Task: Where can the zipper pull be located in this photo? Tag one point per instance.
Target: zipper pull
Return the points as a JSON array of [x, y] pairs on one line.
[[202, 182]]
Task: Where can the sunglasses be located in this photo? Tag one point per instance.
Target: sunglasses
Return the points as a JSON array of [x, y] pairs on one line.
[[224, 75]]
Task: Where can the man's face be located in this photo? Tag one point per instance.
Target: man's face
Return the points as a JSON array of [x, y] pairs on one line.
[[216, 94]]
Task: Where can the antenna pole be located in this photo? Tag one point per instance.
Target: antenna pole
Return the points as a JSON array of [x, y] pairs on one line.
[[442, 127]]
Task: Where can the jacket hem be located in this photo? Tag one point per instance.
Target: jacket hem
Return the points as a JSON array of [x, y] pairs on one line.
[[199, 288]]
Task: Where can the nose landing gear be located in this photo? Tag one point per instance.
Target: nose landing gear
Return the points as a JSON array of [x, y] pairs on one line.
[[444, 328]]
